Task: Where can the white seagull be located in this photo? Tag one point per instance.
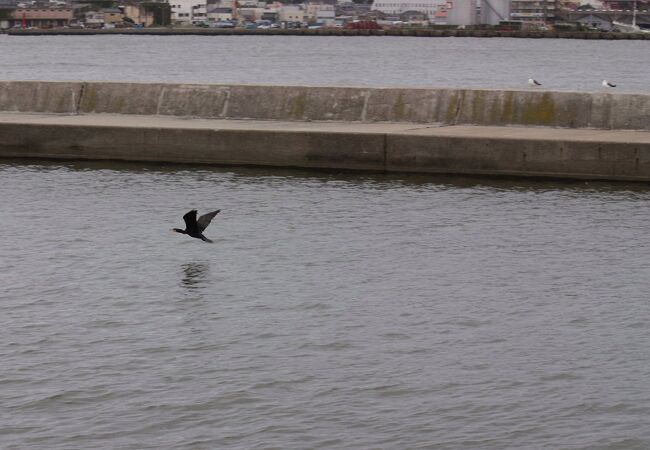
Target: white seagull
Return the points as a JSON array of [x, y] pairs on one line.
[[608, 84], [533, 82]]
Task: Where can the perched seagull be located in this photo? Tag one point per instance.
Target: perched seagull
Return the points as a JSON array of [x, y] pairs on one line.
[[533, 82], [608, 84], [194, 227]]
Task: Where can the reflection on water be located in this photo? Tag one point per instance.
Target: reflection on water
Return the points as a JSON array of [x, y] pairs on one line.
[[347, 178], [194, 275]]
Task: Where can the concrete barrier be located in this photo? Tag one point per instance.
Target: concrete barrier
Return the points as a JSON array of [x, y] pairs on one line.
[[40, 97], [435, 106], [463, 131], [600, 110], [261, 144], [576, 154]]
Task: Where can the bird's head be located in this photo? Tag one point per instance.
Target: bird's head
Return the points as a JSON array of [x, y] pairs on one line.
[[178, 230]]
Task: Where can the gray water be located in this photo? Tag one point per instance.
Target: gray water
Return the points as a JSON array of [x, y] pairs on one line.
[[337, 311], [560, 64]]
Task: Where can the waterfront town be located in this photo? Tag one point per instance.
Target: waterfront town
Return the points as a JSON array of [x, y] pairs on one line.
[[586, 15]]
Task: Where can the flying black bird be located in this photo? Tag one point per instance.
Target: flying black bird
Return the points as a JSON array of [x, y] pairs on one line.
[[533, 82], [195, 228], [608, 84]]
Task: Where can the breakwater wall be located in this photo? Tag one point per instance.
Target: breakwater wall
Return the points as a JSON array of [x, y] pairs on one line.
[[528, 132], [413, 32], [600, 110]]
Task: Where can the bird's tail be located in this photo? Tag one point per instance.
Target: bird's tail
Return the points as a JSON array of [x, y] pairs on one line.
[[206, 239]]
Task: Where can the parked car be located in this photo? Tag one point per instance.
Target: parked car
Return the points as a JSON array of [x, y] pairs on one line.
[[222, 24]]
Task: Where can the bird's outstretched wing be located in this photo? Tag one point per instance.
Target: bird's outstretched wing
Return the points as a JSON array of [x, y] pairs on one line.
[[205, 219], [191, 224]]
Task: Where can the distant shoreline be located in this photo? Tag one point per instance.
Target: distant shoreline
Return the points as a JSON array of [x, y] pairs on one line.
[[332, 32]]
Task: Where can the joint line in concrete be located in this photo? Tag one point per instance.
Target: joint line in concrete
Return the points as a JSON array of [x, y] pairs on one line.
[[224, 110], [160, 100], [459, 102], [364, 110], [77, 106]]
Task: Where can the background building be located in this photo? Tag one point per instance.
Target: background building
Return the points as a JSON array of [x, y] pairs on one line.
[[320, 12], [218, 14], [182, 11], [42, 16], [442, 12], [291, 13], [461, 12], [534, 11], [396, 7], [494, 11]]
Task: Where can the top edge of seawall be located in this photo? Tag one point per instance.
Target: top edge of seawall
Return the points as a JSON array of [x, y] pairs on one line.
[[328, 86]]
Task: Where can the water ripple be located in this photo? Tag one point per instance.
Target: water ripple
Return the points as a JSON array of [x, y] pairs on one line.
[[335, 311]]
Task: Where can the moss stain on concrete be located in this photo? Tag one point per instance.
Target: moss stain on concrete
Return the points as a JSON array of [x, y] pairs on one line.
[[542, 112], [399, 108], [508, 108], [119, 104], [89, 99], [452, 107], [478, 105], [65, 100], [298, 106]]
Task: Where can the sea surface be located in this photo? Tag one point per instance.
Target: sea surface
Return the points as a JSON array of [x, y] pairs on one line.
[[333, 311], [504, 63]]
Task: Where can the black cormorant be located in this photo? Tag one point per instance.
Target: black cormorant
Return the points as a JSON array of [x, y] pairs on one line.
[[194, 227]]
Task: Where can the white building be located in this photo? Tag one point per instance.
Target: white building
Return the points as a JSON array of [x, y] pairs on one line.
[[291, 13], [534, 11], [327, 17], [321, 13], [449, 12], [250, 13], [220, 14], [397, 7], [199, 13], [494, 11], [94, 19], [187, 11]]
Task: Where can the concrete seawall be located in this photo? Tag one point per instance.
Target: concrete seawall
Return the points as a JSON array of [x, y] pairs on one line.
[[527, 132]]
